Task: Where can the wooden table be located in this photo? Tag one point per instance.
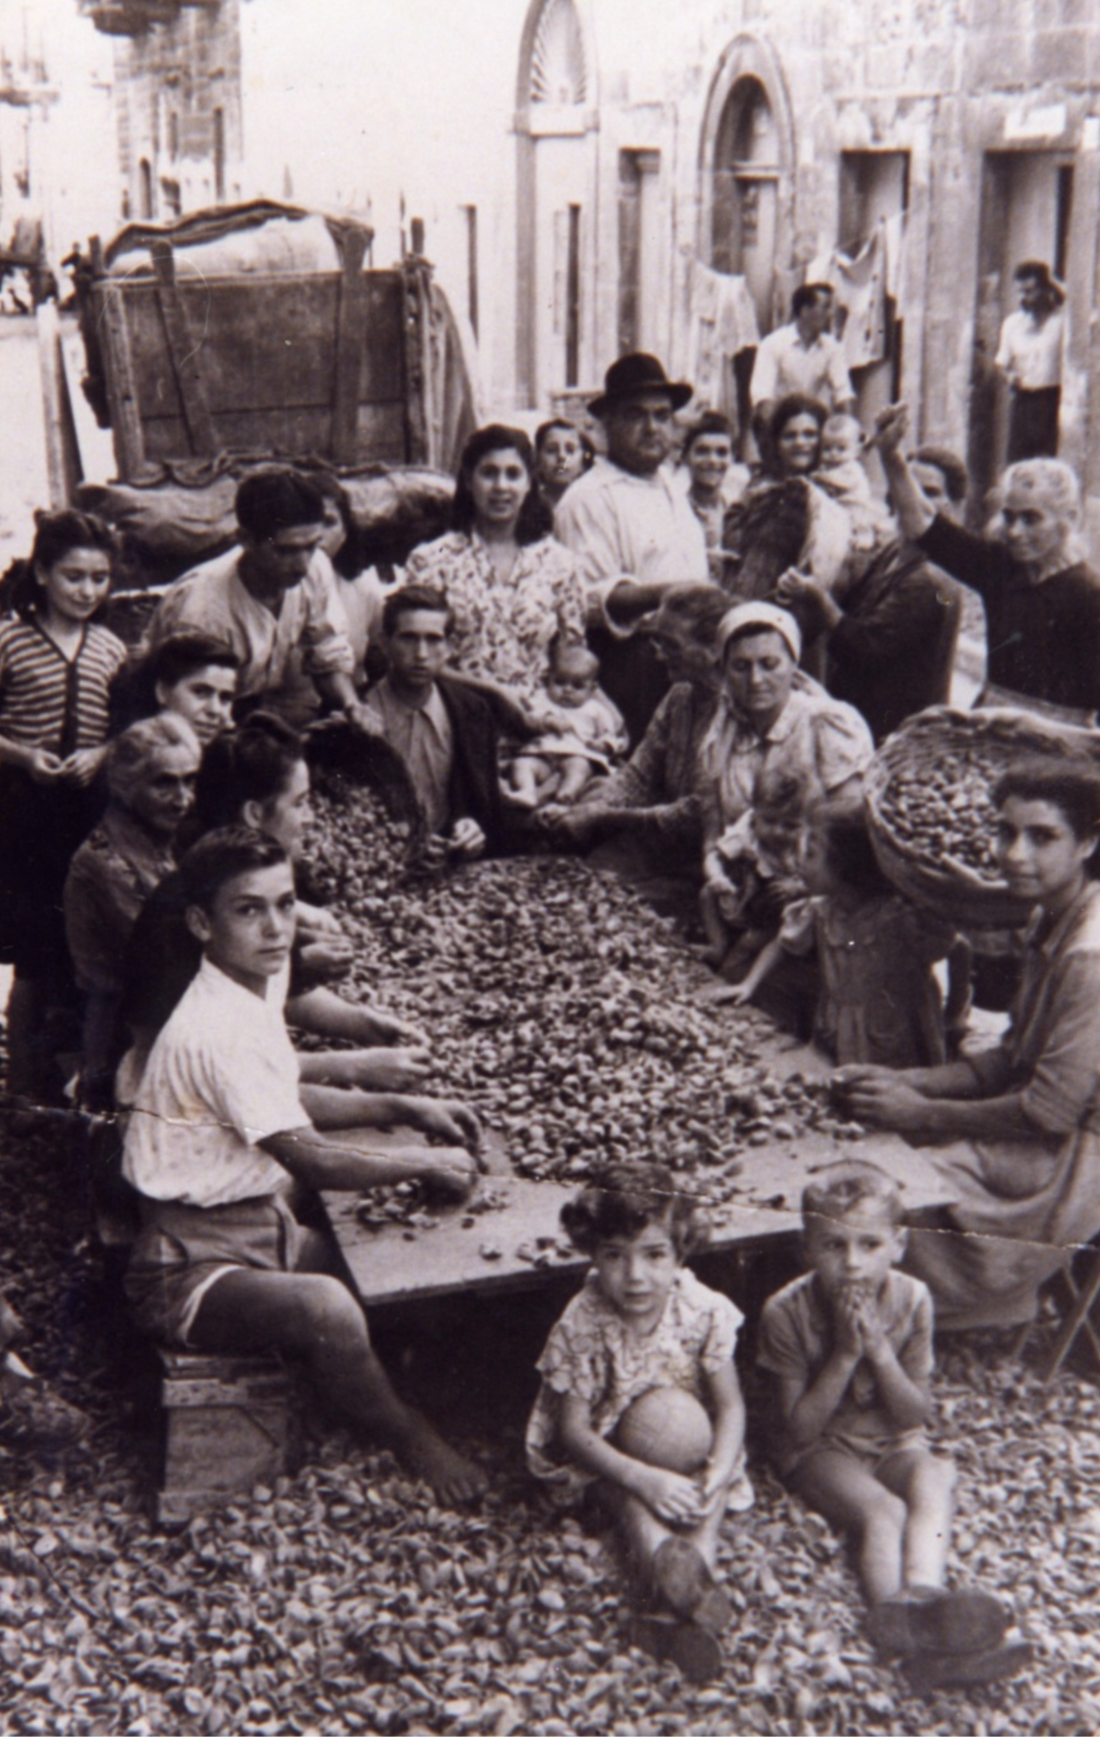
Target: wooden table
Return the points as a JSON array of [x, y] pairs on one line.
[[519, 1240]]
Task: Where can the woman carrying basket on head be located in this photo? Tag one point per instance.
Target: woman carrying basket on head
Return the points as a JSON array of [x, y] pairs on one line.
[[1025, 1177]]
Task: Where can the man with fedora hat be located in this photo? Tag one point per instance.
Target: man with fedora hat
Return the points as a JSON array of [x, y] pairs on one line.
[[1030, 357], [634, 532]]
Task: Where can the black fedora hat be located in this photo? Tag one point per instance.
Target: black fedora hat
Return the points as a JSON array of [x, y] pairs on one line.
[[634, 374]]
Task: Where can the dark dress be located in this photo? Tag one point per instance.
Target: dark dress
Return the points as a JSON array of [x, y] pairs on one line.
[[1044, 638], [891, 652]]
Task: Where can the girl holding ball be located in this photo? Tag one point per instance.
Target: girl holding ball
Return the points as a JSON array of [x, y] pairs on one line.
[[640, 1398]]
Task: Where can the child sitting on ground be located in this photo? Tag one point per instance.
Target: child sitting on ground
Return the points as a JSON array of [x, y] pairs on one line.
[[849, 1346], [558, 766], [751, 873], [640, 1397], [842, 475], [879, 1000], [217, 1134]]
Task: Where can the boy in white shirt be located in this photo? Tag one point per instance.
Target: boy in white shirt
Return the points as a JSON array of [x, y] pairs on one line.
[[216, 1139]]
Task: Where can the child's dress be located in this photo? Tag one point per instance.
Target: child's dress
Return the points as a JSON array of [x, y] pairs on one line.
[[879, 1001], [762, 883], [592, 1355], [593, 731]]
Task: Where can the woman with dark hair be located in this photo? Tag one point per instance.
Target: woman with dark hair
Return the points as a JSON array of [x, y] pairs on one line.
[[359, 585], [190, 674], [56, 668], [1025, 1176], [784, 520], [511, 587]]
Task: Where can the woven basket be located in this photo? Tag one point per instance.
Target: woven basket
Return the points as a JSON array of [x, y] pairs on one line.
[[952, 889]]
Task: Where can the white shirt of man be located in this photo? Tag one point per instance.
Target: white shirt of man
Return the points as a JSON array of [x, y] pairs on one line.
[[785, 364], [221, 1076], [309, 631], [423, 737], [1029, 354], [622, 526]]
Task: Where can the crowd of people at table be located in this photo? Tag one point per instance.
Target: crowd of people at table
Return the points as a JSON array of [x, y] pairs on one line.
[[682, 666]]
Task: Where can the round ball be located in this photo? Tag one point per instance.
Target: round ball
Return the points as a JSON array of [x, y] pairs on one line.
[[666, 1427]]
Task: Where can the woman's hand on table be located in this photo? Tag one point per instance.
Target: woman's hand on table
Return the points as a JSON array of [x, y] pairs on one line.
[[327, 956], [447, 1118], [387, 1070], [318, 920], [449, 1172], [886, 1102], [729, 995], [387, 1028]]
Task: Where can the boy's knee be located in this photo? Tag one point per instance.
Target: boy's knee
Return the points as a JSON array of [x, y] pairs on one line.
[[885, 1510], [935, 1478], [329, 1313]]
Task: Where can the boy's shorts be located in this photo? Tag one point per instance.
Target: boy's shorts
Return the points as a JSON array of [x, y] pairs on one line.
[[182, 1251], [871, 1451]]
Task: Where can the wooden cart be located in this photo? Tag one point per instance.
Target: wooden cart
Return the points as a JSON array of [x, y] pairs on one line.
[[198, 347]]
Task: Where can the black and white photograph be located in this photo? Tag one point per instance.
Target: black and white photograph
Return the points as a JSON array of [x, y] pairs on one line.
[[549, 868]]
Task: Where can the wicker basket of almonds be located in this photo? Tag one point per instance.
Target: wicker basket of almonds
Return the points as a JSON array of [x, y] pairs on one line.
[[930, 807]]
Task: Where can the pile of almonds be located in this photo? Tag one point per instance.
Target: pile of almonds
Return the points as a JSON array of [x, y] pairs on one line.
[[558, 1004], [944, 812], [343, 1598]]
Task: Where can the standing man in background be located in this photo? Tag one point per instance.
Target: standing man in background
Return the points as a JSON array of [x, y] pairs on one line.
[[802, 357], [1030, 357]]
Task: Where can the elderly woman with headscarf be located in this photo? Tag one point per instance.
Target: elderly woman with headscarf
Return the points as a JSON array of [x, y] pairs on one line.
[[771, 719], [151, 770], [1042, 600]]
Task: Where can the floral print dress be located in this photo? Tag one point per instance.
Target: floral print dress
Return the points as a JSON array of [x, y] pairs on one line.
[[503, 628]]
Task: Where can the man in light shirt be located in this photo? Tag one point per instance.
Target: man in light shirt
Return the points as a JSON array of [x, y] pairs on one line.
[[802, 357], [273, 599], [1030, 357], [632, 527]]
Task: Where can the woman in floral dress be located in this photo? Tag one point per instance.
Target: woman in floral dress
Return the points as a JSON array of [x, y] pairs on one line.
[[512, 588]]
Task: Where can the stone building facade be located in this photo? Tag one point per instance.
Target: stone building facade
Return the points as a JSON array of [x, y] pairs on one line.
[[592, 175]]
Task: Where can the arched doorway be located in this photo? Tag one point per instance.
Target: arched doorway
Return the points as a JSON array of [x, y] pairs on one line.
[[745, 209], [555, 127], [746, 185]]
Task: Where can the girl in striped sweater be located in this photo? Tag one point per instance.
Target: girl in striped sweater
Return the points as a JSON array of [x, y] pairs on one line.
[[56, 667]]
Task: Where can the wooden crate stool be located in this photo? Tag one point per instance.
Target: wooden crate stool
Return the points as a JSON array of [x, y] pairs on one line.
[[1082, 1290], [1084, 1293], [228, 1426]]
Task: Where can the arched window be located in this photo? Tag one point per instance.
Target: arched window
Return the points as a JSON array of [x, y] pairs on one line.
[[746, 170], [558, 73]]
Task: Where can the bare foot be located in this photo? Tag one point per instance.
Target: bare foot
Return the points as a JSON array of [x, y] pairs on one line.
[[454, 1478]]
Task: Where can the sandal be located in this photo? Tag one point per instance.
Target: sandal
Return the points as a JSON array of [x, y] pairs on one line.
[[935, 1620], [693, 1650], [682, 1578], [926, 1672]]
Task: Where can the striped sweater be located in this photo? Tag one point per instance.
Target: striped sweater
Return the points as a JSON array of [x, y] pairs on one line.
[[34, 676]]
